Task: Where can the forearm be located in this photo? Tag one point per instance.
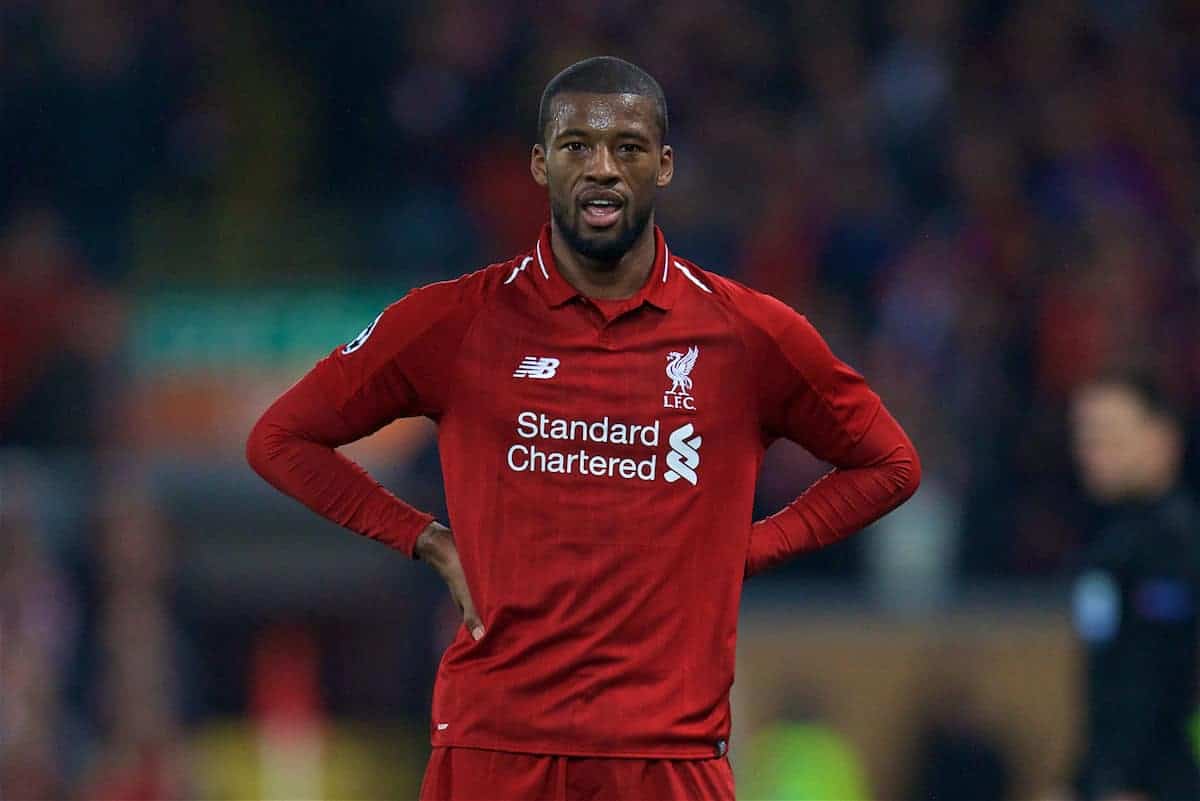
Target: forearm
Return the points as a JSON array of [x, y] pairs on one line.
[[293, 448], [883, 473]]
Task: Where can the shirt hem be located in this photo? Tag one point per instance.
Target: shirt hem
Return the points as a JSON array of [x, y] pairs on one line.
[[548, 749]]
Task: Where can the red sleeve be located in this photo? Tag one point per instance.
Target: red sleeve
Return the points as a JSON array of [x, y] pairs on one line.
[[399, 366], [812, 398]]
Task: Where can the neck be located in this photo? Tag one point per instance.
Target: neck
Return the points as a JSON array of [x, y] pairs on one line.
[[601, 279]]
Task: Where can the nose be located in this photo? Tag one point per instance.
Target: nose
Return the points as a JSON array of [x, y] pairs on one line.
[[602, 166]]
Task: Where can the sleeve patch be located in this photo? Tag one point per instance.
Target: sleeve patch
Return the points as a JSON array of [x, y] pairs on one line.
[[361, 339]]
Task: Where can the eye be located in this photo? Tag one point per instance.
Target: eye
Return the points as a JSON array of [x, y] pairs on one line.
[[573, 147], [629, 147]]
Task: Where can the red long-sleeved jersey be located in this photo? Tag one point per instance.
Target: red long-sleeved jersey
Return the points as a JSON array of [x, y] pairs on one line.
[[599, 462]]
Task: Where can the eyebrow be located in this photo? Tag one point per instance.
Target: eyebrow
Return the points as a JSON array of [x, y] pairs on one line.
[[572, 132], [584, 133]]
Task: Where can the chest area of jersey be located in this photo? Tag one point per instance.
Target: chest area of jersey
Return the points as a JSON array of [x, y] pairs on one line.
[[611, 401], [646, 363]]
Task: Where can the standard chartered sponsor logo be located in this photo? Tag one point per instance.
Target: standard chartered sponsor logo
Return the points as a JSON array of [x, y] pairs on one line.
[[533, 459], [684, 456], [530, 457], [533, 424]]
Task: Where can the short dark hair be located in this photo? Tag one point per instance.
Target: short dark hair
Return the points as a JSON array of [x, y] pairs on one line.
[[1144, 384], [604, 75]]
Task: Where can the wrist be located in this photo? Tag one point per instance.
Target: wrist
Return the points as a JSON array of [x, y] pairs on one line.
[[433, 543]]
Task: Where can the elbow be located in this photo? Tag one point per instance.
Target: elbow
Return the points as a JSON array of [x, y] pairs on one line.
[[907, 470], [259, 449]]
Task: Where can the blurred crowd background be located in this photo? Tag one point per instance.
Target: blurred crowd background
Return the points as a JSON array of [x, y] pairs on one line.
[[979, 204]]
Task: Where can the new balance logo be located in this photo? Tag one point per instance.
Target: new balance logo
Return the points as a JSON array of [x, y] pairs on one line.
[[684, 456], [537, 367]]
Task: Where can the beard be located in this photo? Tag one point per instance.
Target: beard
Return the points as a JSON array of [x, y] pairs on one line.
[[607, 250]]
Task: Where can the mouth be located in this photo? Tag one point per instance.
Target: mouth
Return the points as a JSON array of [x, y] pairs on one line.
[[601, 208]]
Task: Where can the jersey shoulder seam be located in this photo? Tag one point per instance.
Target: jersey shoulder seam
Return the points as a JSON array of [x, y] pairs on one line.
[[729, 286], [456, 301]]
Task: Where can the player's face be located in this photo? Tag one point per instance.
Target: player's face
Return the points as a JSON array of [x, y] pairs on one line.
[[1118, 445], [602, 163]]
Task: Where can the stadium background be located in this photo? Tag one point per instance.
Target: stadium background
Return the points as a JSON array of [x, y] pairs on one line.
[[977, 203]]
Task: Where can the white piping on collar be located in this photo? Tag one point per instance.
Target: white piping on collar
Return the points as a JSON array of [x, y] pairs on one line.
[[517, 270], [691, 277], [666, 267]]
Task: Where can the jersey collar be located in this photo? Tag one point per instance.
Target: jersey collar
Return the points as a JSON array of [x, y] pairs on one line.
[[659, 289]]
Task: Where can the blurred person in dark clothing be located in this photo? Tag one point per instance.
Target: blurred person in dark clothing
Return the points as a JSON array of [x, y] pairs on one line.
[[1135, 594], [958, 754]]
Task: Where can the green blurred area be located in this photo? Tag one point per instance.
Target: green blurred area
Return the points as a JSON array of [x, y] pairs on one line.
[[178, 331], [792, 760]]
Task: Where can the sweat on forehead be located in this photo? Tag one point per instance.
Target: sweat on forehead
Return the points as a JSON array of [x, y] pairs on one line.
[[600, 111]]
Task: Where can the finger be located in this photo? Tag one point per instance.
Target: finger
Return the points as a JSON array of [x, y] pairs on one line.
[[474, 625], [471, 618]]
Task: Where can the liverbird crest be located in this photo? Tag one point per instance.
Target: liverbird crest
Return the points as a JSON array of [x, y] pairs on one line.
[[679, 368]]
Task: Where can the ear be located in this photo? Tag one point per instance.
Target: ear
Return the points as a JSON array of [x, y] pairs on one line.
[[537, 164], [666, 166]]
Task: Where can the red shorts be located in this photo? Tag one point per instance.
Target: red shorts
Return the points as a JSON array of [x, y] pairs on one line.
[[471, 774]]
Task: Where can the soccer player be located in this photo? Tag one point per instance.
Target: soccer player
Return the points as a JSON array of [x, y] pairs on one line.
[[603, 405], [1136, 594]]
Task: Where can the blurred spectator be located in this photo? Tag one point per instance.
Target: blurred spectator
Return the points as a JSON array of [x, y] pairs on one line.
[[957, 757], [36, 626], [1136, 594], [911, 95], [139, 704], [58, 335]]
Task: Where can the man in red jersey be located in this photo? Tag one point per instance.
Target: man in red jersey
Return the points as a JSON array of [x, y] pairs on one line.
[[603, 406]]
